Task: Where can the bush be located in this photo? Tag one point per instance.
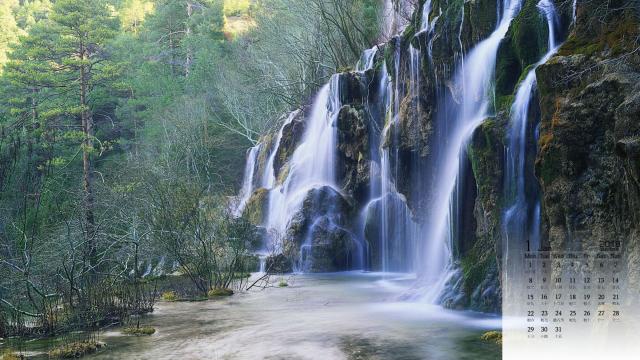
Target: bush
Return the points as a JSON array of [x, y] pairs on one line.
[[139, 331], [218, 292], [76, 349], [283, 283], [169, 296]]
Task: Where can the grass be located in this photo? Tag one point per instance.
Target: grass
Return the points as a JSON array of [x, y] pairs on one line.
[[283, 283], [492, 336], [139, 331], [76, 349], [219, 292]]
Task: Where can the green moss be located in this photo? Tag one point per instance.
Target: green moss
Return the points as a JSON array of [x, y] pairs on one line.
[[219, 292], [169, 296], [507, 68], [492, 336], [475, 266], [618, 35], [579, 45], [76, 349], [139, 331], [503, 103], [255, 209]]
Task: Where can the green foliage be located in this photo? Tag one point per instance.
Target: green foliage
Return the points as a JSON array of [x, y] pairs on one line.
[[169, 296]]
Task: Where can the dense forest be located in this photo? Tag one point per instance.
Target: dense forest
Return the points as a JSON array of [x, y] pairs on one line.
[[122, 127]]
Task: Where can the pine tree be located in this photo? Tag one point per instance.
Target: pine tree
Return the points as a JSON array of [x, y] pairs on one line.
[[57, 72]]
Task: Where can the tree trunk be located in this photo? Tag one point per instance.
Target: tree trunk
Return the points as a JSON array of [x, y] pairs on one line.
[[189, 57], [87, 166]]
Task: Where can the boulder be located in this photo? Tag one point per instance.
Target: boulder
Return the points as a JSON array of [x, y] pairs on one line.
[[320, 233]]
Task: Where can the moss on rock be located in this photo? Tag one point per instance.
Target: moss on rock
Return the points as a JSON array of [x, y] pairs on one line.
[[256, 207]]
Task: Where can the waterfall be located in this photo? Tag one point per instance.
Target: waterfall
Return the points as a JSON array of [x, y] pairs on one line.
[[269, 176], [312, 164], [467, 107], [247, 182], [521, 219], [424, 21], [366, 60]]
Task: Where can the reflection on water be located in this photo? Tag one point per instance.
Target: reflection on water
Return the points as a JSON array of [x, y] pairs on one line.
[[327, 316]]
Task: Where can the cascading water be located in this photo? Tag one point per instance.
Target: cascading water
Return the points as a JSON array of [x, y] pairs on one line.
[[312, 164], [521, 219], [366, 60], [459, 115], [247, 183], [268, 179], [425, 25]]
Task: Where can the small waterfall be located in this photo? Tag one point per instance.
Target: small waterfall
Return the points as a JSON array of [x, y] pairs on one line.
[[247, 183], [269, 177], [366, 60], [414, 70], [425, 25]]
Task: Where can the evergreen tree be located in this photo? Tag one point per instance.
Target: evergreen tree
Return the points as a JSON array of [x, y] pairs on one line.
[[58, 72]]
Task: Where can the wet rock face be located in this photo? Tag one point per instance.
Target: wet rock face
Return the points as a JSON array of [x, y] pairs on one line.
[[291, 137], [319, 231], [353, 152], [588, 160]]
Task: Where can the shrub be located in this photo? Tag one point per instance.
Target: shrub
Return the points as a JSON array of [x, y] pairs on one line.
[[218, 292], [169, 296], [283, 283]]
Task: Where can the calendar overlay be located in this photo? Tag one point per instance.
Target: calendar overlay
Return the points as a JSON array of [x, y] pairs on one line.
[[573, 304]]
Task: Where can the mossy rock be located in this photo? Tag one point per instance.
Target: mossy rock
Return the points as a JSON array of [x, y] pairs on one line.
[[492, 336], [256, 207], [76, 349], [139, 331], [219, 292]]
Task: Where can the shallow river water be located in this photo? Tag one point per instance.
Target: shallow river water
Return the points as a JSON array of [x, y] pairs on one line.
[[325, 317]]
